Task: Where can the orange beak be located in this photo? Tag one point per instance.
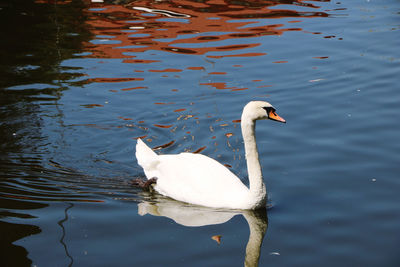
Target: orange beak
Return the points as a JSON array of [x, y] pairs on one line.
[[273, 116]]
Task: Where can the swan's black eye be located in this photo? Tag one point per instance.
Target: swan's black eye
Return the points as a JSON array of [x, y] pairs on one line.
[[269, 110]]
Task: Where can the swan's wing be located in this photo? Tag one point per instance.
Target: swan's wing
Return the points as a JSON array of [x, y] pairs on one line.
[[197, 179]]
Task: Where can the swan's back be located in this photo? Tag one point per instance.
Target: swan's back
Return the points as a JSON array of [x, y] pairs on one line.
[[192, 178]]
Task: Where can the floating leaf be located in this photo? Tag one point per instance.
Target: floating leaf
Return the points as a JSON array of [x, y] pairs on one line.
[[217, 238]]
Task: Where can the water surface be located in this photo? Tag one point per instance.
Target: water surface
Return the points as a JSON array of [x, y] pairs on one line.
[[81, 81]]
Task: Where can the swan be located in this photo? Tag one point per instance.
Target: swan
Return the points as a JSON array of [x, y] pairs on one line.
[[201, 180]]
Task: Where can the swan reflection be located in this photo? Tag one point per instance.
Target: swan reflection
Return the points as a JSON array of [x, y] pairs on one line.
[[196, 216]]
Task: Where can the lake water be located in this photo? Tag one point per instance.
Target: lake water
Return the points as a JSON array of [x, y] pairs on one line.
[[81, 81]]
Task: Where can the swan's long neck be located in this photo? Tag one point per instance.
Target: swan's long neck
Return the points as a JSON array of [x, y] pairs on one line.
[[257, 187]]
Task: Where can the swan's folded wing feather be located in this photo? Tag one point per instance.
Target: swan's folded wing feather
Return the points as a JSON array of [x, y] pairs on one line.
[[198, 179]]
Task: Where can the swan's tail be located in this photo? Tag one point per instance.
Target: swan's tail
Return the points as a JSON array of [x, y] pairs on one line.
[[145, 156]]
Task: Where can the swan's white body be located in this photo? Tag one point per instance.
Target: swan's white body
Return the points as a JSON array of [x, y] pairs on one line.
[[200, 180]]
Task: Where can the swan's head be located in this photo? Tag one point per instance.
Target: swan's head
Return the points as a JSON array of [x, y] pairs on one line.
[[261, 110]]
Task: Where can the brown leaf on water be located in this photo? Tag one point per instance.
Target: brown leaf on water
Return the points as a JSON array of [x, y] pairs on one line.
[[217, 238]]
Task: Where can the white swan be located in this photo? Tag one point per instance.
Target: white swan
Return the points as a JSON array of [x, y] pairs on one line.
[[200, 180]]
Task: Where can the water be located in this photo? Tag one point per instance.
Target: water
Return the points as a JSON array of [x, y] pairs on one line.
[[81, 81]]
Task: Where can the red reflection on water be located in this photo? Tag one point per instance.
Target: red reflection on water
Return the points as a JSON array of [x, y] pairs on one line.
[[214, 28], [141, 137], [177, 26], [134, 88], [125, 119], [162, 103], [164, 145], [140, 61], [264, 86], [199, 150], [240, 55], [217, 73], [222, 86], [196, 68], [166, 70], [163, 126]]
